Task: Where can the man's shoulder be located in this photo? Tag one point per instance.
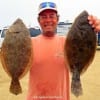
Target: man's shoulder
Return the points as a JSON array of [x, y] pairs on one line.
[[62, 37], [36, 37]]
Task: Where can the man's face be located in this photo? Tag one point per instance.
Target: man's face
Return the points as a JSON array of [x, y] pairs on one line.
[[48, 20]]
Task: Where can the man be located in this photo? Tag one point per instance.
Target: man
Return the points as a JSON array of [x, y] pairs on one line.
[[49, 77]]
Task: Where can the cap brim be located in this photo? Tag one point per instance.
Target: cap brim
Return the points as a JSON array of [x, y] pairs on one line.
[[43, 9]]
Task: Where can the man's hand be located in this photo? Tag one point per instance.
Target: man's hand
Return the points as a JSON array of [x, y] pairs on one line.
[[94, 22]]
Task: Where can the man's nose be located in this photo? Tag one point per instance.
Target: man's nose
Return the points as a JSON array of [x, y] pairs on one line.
[[48, 18]]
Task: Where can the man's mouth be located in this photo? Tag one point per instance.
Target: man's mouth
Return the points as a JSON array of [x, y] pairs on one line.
[[48, 25]]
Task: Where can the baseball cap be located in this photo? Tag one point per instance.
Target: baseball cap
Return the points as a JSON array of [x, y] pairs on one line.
[[47, 5]]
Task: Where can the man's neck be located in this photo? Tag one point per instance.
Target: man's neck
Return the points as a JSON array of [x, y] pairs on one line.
[[49, 34]]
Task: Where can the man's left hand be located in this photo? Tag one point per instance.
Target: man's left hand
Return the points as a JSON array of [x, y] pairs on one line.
[[94, 22]]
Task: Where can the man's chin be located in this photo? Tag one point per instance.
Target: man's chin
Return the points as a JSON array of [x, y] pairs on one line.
[[49, 31]]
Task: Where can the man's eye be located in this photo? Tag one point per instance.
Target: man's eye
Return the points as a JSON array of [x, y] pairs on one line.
[[52, 16], [43, 17]]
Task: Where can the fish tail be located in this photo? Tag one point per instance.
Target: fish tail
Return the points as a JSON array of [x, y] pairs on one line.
[[76, 87], [15, 87]]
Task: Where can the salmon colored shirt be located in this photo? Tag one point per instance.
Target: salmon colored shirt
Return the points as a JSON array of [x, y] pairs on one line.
[[49, 77]]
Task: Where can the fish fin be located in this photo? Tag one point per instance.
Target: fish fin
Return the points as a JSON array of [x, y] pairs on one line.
[[15, 87], [76, 87]]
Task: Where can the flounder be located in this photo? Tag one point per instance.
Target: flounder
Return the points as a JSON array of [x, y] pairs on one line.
[[79, 49], [16, 54]]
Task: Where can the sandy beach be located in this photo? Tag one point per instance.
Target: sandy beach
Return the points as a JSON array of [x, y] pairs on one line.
[[90, 83]]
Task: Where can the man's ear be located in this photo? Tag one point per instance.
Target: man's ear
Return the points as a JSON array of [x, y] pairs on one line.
[[57, 17], [38, 19]]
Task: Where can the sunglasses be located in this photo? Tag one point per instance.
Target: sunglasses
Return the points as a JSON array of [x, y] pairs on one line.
[[47, 4]]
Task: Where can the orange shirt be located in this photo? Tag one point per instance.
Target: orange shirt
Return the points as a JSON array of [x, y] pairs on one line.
[[49, 77]]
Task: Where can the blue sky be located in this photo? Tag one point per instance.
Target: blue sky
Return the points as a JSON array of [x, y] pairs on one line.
[[27, 10]]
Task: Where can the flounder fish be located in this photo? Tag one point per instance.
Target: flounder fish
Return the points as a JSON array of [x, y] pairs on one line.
[[79, 49], [16, 54]]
